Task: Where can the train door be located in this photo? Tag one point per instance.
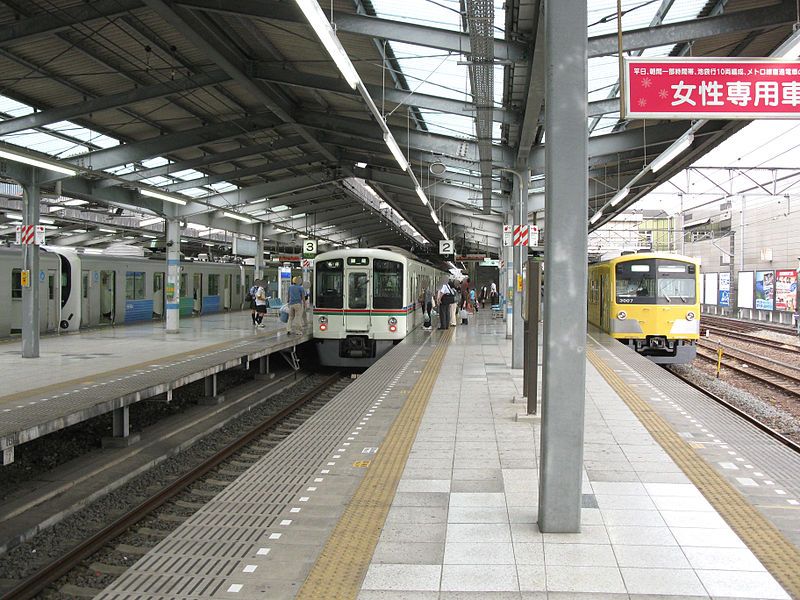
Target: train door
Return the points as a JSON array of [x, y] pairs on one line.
[[86, 308], [357, 317], [226, 292], [158, 295], [52, 301], [197, 293], [605, 310], [108, 296]]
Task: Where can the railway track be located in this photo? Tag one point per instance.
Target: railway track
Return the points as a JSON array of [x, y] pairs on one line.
[[186, 493], [752, 339], [777, 435], [725, 323], [756, 368]]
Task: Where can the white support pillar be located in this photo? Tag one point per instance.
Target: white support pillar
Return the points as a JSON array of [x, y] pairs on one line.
[[520, 257], [564, 342], [173, 231], [30, 263], [258, 266]]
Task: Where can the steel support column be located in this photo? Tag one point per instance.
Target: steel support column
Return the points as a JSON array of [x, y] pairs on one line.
[[564, 363], [173, 275], [30, 263]]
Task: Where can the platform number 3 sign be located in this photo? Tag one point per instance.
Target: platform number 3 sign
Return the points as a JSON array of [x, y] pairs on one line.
[[310, 247], [446, 247]]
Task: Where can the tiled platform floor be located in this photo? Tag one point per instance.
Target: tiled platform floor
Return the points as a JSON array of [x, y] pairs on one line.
[[463, 523], [97, 350]]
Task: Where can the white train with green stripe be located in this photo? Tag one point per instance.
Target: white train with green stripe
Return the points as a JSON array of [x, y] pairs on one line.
[[365, 301]]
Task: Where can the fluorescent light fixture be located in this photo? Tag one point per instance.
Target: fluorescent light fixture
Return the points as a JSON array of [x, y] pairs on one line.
[[620, 196], [435, 217], [19, 217], [596, 217], [237, 216], [75, 202], [422, 196], [674, 150], [104, 230], [361, 165], [257, 201], [208, 244], [326, 35], [279, 208], [149, 237], [161, 196], [302, 235], [151, 221], [395, 150], [27, 160]]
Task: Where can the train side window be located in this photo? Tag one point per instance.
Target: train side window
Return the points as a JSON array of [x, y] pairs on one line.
[[85, 284], [16, 284], [134, 285], [213, 285]]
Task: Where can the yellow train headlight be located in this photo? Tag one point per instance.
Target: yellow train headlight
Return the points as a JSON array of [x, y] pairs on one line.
[[690, 316], [622, 315]]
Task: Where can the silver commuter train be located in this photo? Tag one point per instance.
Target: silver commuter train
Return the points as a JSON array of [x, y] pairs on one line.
[[84, 290], [366, 301]]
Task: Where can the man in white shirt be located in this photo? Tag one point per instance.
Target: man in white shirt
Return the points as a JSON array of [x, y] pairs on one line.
[[444, 299]]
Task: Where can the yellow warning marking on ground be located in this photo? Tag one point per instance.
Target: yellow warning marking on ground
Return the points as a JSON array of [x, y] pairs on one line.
[[361, 464], [776, 553], [344, 560]]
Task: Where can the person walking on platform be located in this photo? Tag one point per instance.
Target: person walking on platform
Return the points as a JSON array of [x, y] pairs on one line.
[[296, 305], [444, 298], [261, 304]]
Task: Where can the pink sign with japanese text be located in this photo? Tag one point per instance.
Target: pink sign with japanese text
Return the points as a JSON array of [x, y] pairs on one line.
[[708, 88]]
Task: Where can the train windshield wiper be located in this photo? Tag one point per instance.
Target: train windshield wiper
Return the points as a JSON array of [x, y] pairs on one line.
[[668, 298], [683, 298]]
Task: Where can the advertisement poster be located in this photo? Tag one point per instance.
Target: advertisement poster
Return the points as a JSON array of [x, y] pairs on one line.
[[724, 289], [785, 290], [765, 290]]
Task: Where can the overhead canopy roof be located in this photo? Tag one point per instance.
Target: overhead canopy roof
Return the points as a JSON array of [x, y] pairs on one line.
[[236, 106]]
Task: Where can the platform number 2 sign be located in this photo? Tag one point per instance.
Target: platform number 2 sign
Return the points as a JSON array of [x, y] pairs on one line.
[[310, 247], [446, 247]]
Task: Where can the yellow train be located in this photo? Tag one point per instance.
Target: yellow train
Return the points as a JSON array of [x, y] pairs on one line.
[[650, 302]]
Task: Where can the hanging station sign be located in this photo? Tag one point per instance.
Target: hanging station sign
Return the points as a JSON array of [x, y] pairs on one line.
[[712, 88]]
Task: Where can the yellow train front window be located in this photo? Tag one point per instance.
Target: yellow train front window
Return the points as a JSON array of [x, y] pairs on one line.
[[655, 281]]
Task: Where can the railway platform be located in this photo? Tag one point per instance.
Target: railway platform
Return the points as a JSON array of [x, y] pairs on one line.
[[418, 481], [82, 375]]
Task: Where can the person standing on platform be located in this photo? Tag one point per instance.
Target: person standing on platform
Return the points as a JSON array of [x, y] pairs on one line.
[[296, 304], [444, 298], [251, 294], [454, 305], [261, 303]]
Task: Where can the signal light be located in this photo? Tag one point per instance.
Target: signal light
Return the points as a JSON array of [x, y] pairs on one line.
[[392, 328], [323, 327], [622, 315]]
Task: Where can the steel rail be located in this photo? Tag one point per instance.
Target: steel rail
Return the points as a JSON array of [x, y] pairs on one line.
[[754, 340], [749, 373], [36, 583]]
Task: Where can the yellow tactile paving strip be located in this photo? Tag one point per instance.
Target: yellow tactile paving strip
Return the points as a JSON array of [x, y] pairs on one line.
[[780, 557], [344, 560]]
